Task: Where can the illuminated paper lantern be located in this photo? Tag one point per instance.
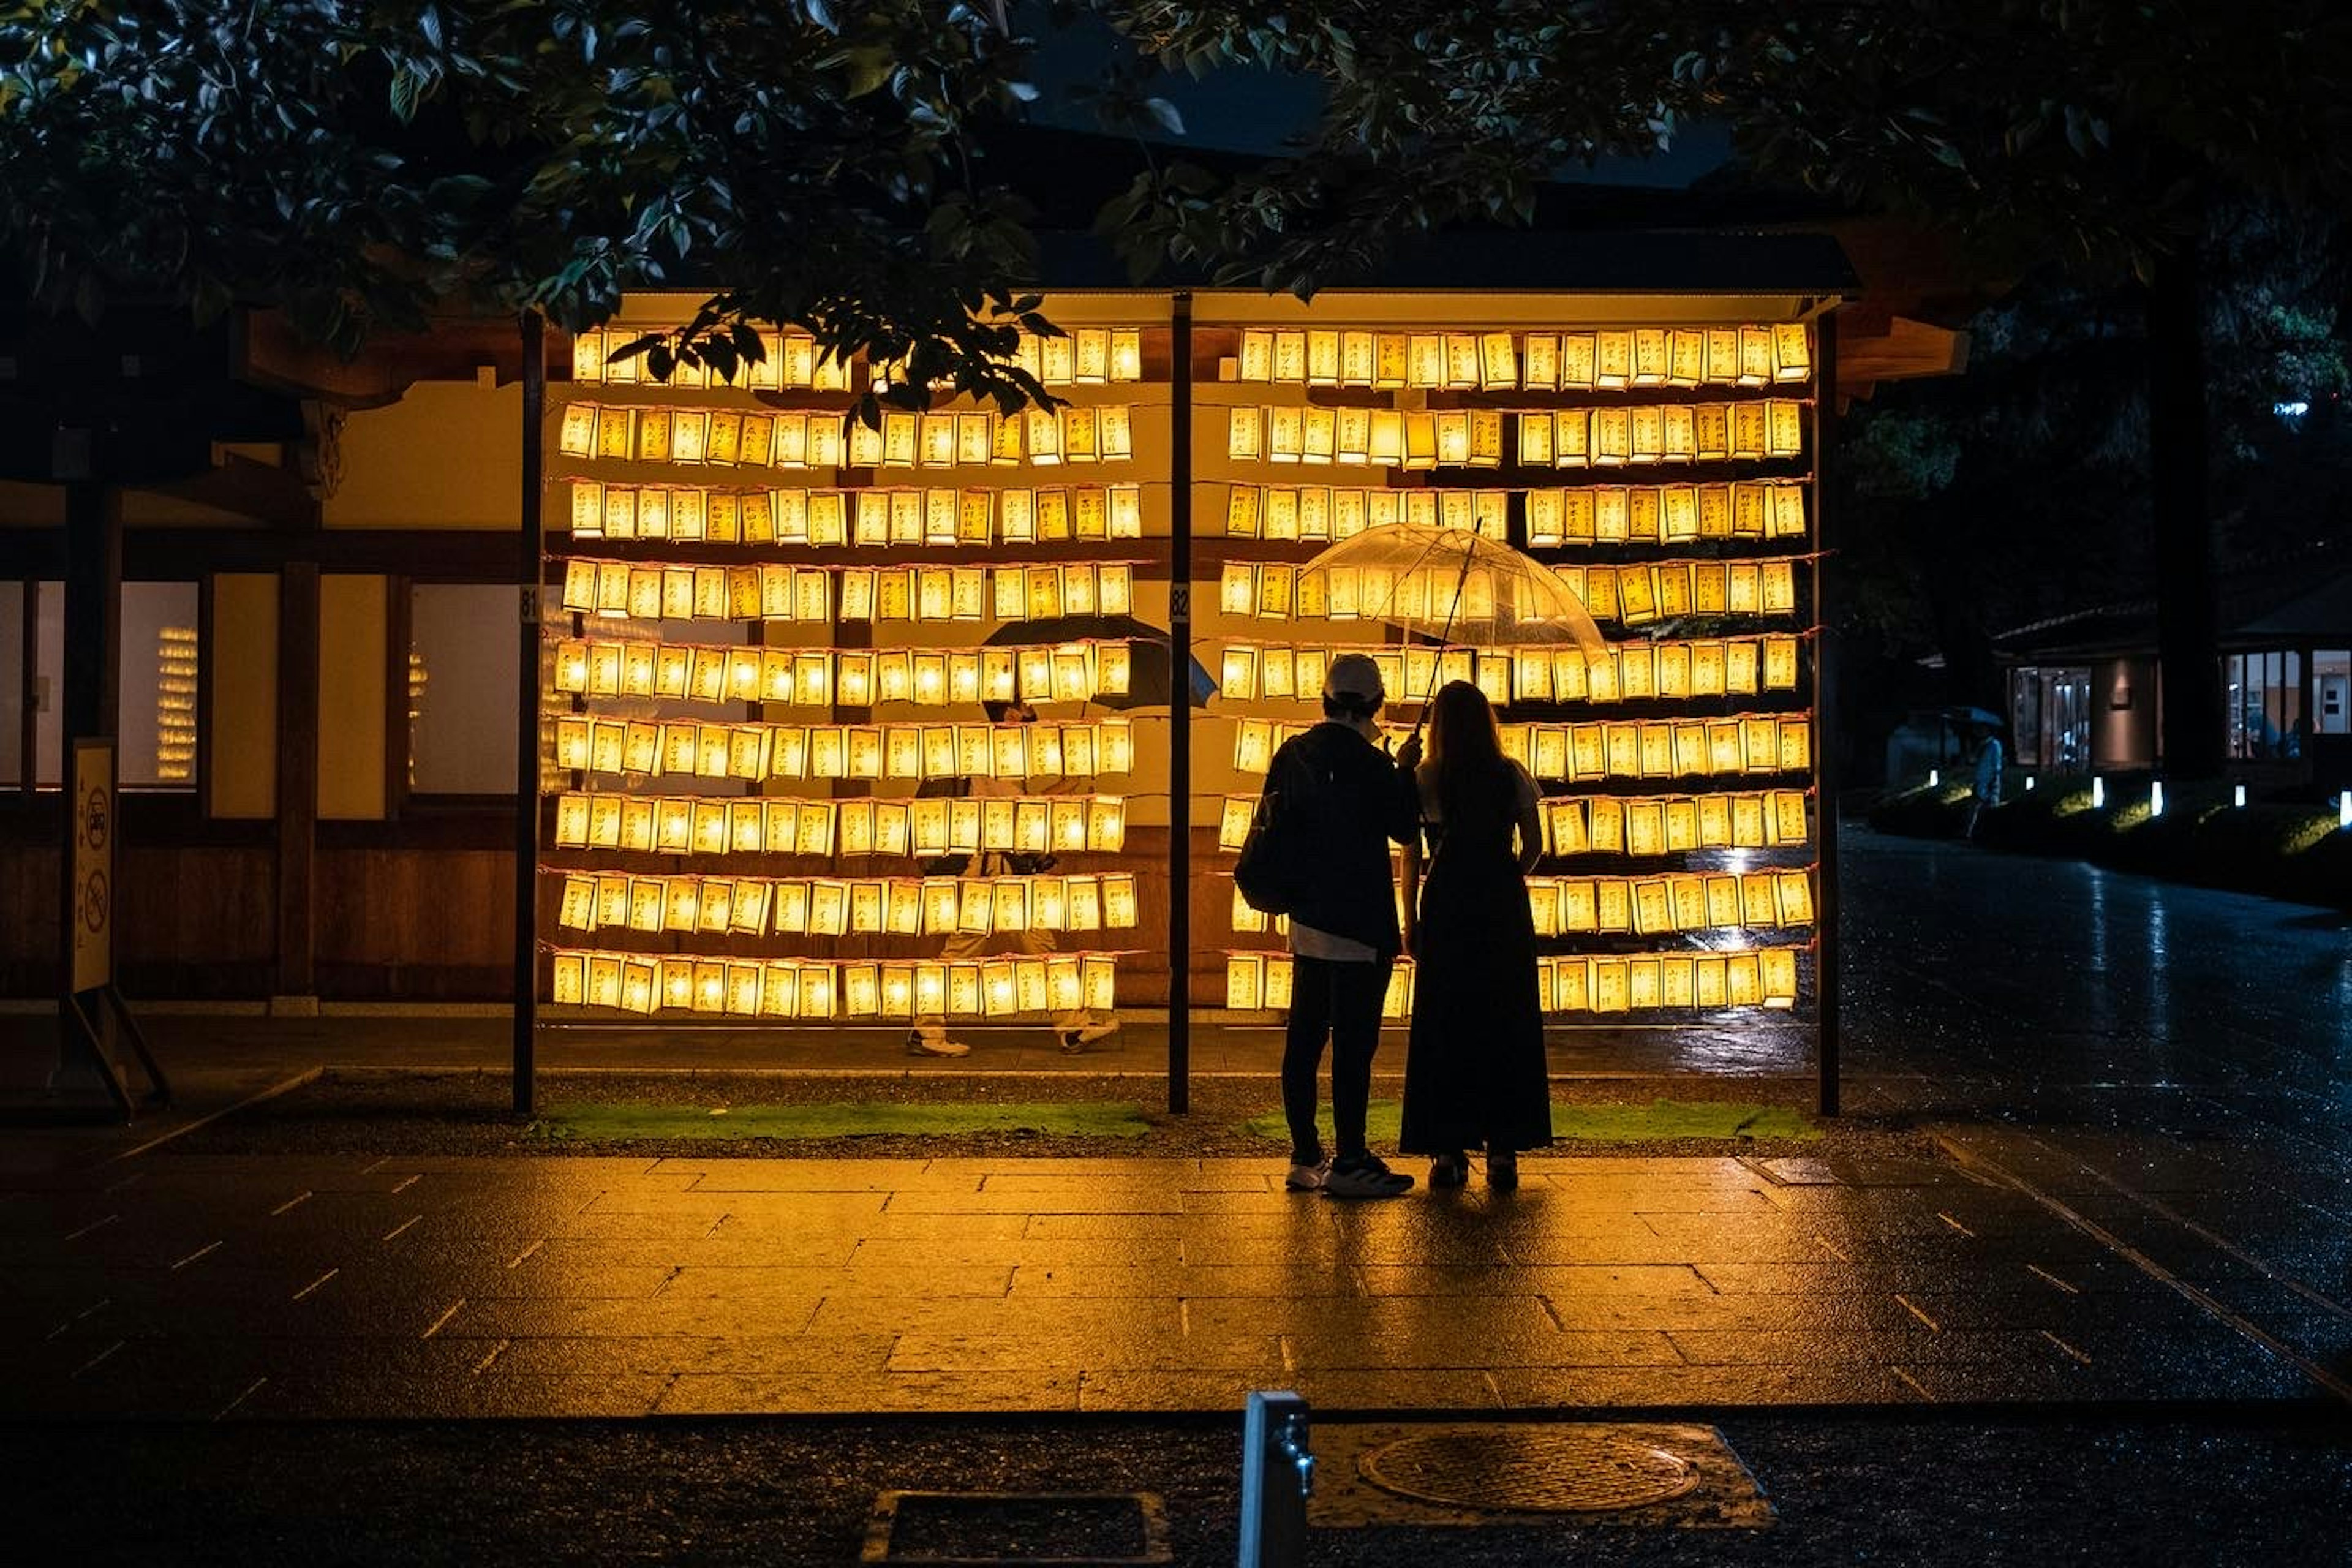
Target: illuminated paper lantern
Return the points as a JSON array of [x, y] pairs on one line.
[[1549, 752], [1786, 817], [1120, 907], [1539, 364], [1114, 746], [1100, 976], [1649, 359], [1105, 824], [570, 985], [1244, 981], [1792, 358], [1234, 822], [1615, 362], [1605, 825], [1580, 360]]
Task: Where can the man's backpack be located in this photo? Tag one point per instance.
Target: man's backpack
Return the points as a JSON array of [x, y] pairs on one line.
[[1272, 872]]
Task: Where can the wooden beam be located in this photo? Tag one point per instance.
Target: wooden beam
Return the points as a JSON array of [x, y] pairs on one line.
[[262, 491], [267, 351], [297, 779], [1905, 350]]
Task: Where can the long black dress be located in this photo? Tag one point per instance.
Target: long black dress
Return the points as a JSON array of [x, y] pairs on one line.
[[1474, 1073]]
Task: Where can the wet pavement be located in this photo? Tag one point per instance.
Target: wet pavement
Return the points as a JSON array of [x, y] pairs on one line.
[[2146, 1199]]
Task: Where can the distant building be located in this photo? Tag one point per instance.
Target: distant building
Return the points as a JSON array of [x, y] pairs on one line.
[[2085, 689]]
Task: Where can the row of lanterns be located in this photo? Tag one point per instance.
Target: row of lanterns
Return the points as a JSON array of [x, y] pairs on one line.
[[771, 591], [903, 515], [1604, 984], [750, 751], [789, 362], [933, 677], [1595, 514], [1316, 436], [724, 438], [1622, 672], [1634, 593], [925, 824], [825, 989], [833, 906], [1504, 360]]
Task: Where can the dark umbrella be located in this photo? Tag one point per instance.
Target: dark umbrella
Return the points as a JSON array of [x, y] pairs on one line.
[[1965, 724], [1147, 679]]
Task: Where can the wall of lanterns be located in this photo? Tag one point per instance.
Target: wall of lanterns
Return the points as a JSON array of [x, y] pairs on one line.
[[764, 639], [771, 624], [1679, 826]]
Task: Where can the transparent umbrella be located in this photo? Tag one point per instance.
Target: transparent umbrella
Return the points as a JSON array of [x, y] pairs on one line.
[[1462, 588], [1458, 586]]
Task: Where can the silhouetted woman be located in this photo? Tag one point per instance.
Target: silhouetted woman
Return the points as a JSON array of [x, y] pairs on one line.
[[1474, 1074]]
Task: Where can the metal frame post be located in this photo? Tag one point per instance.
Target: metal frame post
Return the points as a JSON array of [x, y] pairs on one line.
[[1277, 1477], [1825, 726], [1180, 707], [528, 570]]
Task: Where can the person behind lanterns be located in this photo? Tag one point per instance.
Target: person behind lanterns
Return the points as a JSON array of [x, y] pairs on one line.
[[1075, 1030]]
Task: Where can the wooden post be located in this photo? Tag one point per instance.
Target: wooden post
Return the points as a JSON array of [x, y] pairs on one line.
[[1180, 708], [1825, 727], [93, 636], [528, 568], [298, 778]]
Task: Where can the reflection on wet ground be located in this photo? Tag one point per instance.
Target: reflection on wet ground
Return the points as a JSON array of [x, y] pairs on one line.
[[2141, 1089]]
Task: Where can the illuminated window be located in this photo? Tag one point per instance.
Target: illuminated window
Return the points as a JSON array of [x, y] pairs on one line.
[[2266, 699]]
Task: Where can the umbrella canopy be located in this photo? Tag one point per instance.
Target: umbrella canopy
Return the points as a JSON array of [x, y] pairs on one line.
[[1451, 583], [1147, 679]]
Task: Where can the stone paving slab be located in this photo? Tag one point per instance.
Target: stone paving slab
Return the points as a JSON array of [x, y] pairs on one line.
[[258, 1288]]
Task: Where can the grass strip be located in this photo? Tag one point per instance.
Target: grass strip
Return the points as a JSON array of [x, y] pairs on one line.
[[619, 1123], [1661, 1121]]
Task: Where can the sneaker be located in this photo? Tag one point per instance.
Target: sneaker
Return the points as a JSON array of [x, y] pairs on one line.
[[1307, 1178], [921, 1045], [1364, 1176], [1078, 1040], [1449, 1170]]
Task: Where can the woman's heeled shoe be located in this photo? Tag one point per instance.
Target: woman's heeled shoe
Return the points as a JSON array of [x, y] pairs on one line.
[[1503, 1169], [1449, 1171]]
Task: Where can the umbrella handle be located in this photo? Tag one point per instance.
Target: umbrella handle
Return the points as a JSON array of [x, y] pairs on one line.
[[1443, 633]]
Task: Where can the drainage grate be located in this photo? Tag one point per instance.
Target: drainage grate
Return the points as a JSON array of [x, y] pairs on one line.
[[1017, 1530], [1531, 1470]]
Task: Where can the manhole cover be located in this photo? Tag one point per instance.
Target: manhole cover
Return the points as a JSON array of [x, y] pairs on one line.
[[1534, 1470]]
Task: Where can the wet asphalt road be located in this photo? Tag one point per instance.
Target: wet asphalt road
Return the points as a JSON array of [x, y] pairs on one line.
[[2203, 1488]]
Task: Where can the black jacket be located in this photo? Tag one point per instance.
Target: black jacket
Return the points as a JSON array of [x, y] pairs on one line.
[[1346, 800]]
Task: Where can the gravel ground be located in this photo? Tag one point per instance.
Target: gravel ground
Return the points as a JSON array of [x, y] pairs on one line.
[[407, 1113], [1926, 1492]]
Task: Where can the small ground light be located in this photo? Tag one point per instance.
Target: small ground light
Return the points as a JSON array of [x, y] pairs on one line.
[[2156, 797], [1935, 777], [2029, 783], [2344, 809], [2098, 793], [2238, 795]]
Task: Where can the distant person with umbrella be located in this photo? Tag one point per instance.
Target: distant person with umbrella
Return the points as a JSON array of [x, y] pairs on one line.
[[1073, 1031], [1985, 787], [1474, 1075]]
